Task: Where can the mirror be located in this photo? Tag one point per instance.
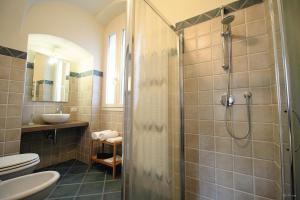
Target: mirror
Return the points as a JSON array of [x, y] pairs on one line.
[[50, 78]]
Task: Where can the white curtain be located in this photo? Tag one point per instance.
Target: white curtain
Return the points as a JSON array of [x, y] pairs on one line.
[[152, 139]]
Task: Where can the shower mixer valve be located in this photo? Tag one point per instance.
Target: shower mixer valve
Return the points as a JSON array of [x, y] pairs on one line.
[[227, 100]]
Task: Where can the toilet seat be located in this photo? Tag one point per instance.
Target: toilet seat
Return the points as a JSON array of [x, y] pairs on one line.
[[16, 162]]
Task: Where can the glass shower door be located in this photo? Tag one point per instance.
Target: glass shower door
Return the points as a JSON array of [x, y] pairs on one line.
[[286, 32], [152, 154]]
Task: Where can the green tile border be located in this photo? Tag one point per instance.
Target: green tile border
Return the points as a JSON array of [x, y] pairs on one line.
[[232, 7]]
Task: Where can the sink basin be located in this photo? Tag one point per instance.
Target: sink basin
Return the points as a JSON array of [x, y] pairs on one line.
[[55, 118]]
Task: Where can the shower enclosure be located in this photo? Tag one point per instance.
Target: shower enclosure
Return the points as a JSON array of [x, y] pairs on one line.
[[153, 152], [285, 27]]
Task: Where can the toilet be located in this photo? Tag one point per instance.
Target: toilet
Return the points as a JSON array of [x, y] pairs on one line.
[[36, 186], [18, 165]]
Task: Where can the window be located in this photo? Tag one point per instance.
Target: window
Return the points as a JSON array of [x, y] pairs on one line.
[[111, 70], [122, 68], [115, 68]]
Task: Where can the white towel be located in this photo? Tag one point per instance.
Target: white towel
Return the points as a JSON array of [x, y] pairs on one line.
[[115, 139], [103, 135], [110, 160]]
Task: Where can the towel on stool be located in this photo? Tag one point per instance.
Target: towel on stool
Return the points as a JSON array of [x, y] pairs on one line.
[[110, 160], [103, 135], [115, 139]]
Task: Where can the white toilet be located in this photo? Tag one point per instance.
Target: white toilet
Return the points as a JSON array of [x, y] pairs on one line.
[[18, 165], [36, 186]]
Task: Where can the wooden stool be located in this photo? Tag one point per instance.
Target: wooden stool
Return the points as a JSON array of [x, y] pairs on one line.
[[112, 164]]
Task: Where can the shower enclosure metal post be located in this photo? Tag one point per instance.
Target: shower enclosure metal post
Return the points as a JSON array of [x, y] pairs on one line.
[[128, 96]]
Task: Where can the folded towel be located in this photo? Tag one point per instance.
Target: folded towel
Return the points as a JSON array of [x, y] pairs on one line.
[[115, 139], [110, 160], [103, 135]]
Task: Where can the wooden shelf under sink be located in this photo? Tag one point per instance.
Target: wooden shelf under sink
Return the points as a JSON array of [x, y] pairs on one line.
[[45, 127]]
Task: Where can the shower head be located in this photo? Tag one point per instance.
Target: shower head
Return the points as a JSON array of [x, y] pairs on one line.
[[227, 20]]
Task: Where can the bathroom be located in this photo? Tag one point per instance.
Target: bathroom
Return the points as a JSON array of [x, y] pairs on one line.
[[149, 99]]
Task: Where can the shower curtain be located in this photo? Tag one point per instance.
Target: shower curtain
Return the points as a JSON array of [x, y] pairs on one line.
[[153, 155]]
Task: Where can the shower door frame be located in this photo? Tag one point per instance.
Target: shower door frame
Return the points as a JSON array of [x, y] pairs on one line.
[[288, 97], [129, 76]]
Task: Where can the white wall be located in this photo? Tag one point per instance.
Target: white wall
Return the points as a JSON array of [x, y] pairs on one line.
[[60, 19], [179, 10]]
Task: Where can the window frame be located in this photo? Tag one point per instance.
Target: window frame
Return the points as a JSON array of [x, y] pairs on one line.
[[118, 105]]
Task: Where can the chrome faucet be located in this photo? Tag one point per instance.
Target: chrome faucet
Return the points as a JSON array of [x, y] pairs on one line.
[[59, 109]]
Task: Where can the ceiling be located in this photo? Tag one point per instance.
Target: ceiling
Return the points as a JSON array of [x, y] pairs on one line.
[[55, 46], [179, 10], [103, 10]]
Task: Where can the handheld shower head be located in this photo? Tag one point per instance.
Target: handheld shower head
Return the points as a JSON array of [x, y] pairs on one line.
[[227, 20]]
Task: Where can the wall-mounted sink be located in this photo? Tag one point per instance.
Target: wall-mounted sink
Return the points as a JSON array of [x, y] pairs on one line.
[[55, 118]]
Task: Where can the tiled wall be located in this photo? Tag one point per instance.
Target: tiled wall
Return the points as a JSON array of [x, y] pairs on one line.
[[218, 166], [82, 105], [112, 120], [12, 72]]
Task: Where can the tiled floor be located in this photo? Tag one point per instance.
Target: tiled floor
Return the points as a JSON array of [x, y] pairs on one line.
[[79, 182]]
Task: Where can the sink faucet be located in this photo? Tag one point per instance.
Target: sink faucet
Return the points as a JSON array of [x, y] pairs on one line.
[[59, 109]]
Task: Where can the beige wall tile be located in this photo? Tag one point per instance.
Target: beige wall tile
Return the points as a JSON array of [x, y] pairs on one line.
[[204, 55], [256, 28], [16, 86], [224, 161], [12, 147], [264, 169], [239, 64], [191, 126], [4, 85], [5, 71], [191, 85], [14, 111], [190, 32], [243, 165], [239, 33], [3, 109], [224, 193], [206, 127], [243, 183], [205, 83], [239, 17], [18, 63], [2, 135], [205, 112], [242, 148], [205, 97], [13, 122], [261, 96], [224, 178], [191, 141], [260, 78], [3, 97], [202, 69], [206, 143], [265, 188], [12, 134], [223, 145], [207, 158], [255, 12], [262, 132], [15, 98], [239, 48], [203, 28], [17, 75], [258, 44], [190, 45], [263, 150], [242, 196], [5, 60], [204, 41], [260, 61]]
